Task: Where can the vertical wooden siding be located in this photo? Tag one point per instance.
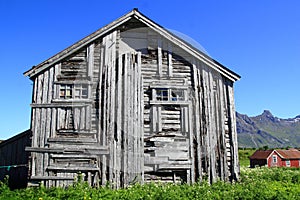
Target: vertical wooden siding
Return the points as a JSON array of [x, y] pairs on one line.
[[14, 160], [100, 136], [120, 133]]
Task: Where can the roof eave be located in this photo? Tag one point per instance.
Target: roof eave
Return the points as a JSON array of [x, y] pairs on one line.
[[71, 49], [192, 50]]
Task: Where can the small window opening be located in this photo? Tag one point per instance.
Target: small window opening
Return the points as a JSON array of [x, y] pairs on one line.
[[169, 94], [177, 95], [68, 91], [162, 95]]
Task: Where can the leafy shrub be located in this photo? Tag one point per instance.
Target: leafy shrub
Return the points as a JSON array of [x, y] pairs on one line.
[[258, 183]]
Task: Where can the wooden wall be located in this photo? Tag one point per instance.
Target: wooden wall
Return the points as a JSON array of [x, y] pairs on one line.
[[189, 139], [132, 107], [14, 160], [99, 135]]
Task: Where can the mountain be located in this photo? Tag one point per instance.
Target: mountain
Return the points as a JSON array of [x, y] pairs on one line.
[[267, 130]]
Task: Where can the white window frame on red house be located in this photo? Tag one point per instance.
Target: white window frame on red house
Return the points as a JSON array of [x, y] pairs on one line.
[[274, 158], [288, 163]]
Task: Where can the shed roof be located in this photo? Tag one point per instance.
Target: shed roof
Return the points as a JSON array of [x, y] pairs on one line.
[[134, 14], [14, 138], [261, 154]]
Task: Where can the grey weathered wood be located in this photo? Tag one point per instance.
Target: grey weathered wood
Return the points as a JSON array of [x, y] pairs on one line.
[[222, 150], [125, 119], [170, 63], [76, 169], [191, 144], [197, 116], [140, 117], [118, 120], [121, 126], [212, 127], [233, 135], [206, 115], [159, 63], [51, 178], [44, 150], [90, 59]]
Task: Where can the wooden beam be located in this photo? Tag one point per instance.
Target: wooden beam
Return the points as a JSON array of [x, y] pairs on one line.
[[51, 178], [72, 168]]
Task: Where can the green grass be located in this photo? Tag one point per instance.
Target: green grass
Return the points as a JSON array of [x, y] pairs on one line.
[[259, 183], [244, 156]]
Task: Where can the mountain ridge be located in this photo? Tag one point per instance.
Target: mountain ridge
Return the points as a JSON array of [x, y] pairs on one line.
[[267, 130]]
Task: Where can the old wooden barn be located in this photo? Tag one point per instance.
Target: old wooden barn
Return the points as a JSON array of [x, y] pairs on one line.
[[132, 102]]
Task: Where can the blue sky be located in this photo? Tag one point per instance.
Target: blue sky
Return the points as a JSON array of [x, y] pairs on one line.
[[258, 39]]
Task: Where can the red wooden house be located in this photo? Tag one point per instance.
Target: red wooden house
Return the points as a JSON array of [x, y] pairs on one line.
[[275, 158]]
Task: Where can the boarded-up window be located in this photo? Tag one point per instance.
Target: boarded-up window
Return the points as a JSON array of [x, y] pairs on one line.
[[74, 67], [73, 118]]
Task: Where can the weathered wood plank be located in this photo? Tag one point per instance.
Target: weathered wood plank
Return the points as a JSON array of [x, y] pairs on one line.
[[206, 117], [140, 117], [197, 117], [222, 147], [50, 178], [233, 135], [72, 168], [125, 119], [130, 121], [170, 64], [191, 144], [212, 127], [119, 121], [90, 58], [159, 63]]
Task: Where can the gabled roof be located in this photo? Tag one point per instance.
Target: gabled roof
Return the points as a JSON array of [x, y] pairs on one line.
[[149, 23], [289, 154], [261, 154], [284, 154]]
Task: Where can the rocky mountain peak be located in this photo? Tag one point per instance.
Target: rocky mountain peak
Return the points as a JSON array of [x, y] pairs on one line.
[[267, 113], [266, 116], [268, 130]]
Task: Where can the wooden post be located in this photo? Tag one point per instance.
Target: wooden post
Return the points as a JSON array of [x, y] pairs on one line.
[[197, 116], [125, 125], [206, 119]]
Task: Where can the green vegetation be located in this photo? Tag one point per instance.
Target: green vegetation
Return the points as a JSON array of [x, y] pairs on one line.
[[259, 183], [244, 156]]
